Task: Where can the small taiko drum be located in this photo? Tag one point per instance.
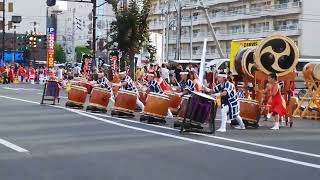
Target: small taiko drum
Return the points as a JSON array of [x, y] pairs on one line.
[[77, 95], [156, 105], [143, 96], [125, 101], [100, 98], [250, 111], [174, 100], [88, 85]]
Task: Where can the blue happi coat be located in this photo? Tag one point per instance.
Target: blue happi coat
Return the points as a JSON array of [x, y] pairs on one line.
[[231, 99]]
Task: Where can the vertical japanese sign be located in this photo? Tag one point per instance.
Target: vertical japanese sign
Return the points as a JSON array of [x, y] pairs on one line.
[[50, 47]]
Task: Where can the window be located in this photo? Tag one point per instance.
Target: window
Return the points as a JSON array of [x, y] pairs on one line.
[[196, 32], [237, 29], [195, 50]]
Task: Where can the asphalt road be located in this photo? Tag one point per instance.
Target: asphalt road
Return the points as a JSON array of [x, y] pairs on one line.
[[42, 142]]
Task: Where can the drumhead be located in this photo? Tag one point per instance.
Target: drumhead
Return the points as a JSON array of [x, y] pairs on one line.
[[78, 87], [316, 72], [127, 92], [100, 89], [159, 95], [248, 100], [204, 95]]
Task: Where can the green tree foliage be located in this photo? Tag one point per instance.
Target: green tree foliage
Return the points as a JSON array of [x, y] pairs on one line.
[[81, 50], [153, 52], [59, 54], [130, 30]]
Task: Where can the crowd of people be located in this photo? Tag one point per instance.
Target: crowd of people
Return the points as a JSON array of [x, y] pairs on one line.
[[159, 79]]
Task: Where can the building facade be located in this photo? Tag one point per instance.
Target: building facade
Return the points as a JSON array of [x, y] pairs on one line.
[[234, 20]]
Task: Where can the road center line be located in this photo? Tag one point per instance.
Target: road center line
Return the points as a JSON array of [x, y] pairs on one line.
[[13, 146], [279, 158]]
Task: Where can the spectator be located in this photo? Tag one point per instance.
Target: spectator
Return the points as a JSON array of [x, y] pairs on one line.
[[177, 73], [165, 73]]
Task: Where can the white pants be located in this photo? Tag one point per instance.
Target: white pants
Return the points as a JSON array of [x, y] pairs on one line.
[[224, 118], [140, 104]]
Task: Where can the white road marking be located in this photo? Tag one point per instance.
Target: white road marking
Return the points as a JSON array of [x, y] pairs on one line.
[[279, 158], [63, 97], [217, 137], [13, 146], [21, 89]]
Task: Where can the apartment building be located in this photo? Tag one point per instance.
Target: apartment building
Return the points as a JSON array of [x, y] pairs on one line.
[[233, 20]]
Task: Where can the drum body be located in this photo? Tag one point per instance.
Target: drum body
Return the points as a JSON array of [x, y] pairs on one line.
[[183, 108], [157, 105], [202, 108], [293, 104], [143, 96], [77, 95], [249, 110], [125, 101], [87, 85], [100, 98], [174, 100]]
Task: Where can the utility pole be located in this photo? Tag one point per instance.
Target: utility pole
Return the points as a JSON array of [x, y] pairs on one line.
[[73, 34], [167, 33], [94, 30], [14, 44], [3, 29], [191, 34]]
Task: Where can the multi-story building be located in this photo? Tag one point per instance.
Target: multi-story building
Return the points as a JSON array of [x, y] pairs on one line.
[[74, 26], [233, 20]]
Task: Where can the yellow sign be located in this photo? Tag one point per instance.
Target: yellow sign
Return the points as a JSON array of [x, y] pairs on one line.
[[235, 48]]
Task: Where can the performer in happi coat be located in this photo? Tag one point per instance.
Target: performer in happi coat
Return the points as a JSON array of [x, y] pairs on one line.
[[229, 102], [154, 86], [127, 84], [186, 85], [103, 82]]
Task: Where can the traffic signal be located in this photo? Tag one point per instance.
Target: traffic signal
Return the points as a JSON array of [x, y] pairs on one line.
[[51, 2]]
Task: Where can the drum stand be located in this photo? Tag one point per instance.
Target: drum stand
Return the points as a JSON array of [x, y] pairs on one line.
[[74, 105], [312, 95], [121, 113], [190, 126], [96, 109], [152, 120]]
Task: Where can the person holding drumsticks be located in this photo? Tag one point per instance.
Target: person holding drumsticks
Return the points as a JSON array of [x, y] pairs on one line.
[[186, 85], [103, 82], [229, 102], [154, 86], [127, 84]]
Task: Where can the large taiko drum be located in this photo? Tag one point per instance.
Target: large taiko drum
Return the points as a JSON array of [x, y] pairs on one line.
[[125, 101], [244, 62], [174, 100], [311, 72], [157, 105], [143, 96], [77, 95], [250, 112], [99, 98]]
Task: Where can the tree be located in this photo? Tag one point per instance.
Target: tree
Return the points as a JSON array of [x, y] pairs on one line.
[[153, 52], [130, 30], [59, 54], [81, 50]]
